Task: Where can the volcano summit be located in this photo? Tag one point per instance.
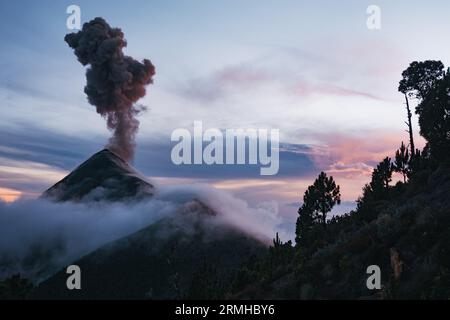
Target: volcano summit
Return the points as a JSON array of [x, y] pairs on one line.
[[104, 176]]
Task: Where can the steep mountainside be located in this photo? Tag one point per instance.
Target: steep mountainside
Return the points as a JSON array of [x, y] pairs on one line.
[[188, 256]]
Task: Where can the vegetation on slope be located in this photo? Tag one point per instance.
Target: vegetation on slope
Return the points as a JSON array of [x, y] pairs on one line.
[[402, 228]]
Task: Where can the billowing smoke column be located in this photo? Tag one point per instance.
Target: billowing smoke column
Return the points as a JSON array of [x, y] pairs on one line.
[[114, 81]]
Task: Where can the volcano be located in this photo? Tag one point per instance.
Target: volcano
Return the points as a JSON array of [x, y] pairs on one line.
[[190, 253], [104, 176]]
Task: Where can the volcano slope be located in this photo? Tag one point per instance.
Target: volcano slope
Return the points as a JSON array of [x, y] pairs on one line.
[[189, 254], [184, 257]]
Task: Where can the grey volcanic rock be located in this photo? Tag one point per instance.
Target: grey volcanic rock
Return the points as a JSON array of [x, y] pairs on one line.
[[104, 176]]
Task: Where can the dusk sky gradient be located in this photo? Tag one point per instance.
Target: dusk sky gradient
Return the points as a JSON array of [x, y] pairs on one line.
[[311, 69]]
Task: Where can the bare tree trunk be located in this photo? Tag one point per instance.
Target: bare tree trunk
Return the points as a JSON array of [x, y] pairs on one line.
[[410, 130]]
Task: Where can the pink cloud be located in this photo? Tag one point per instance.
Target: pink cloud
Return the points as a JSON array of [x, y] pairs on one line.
[[219, 83], [355, 156], [307, 89], [235, 75]]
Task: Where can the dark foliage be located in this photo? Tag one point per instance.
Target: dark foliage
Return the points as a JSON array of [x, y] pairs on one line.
[[402, 228], [15, 288], [434, 120], [401, 164], [421, 77]]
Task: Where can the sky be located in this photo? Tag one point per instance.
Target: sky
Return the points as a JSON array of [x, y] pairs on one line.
[[311, 69]]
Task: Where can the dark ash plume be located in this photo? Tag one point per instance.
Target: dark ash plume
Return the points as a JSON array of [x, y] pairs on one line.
[[114, 81]]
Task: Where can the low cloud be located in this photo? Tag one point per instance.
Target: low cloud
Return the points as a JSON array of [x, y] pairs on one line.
[[38, 237]]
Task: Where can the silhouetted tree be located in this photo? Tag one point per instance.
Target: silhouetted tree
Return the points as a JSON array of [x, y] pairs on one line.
[[277, 241], [379, 185], [304, 226], [410, 128], [383, 173], [417, 81], [401, 163], [320, 198], [421, 77], [434, 119], [280, 252], [420, 162]]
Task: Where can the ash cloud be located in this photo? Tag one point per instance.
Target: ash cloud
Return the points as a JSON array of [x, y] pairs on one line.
[[115, 82]]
